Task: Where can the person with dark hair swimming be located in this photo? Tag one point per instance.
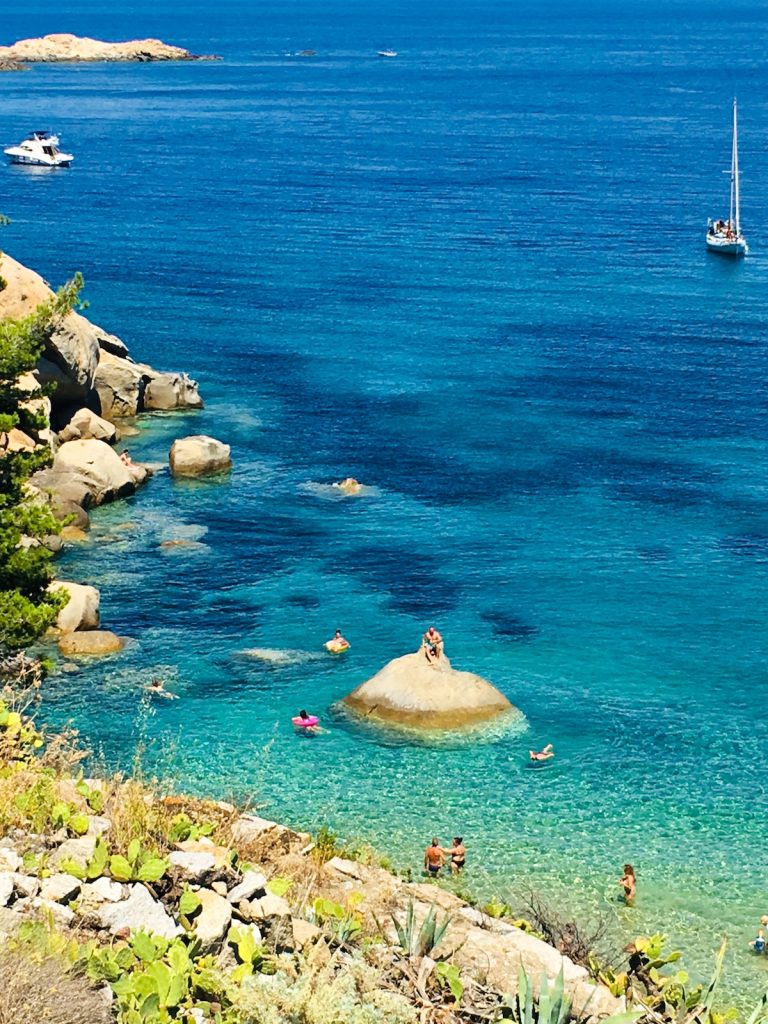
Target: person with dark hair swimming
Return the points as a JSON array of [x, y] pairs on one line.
[[337, 644]]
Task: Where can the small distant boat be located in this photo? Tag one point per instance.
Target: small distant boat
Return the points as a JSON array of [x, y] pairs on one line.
[[387, 53], [40, 149], [724, 236]]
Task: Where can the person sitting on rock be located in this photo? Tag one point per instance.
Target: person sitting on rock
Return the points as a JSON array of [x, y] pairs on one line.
[[432, 644], [542, 755], [126, 459], [434, 858]]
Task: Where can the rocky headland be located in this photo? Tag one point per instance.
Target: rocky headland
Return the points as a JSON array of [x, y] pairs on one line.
[[62, 47], [92, 385], [414, 693]]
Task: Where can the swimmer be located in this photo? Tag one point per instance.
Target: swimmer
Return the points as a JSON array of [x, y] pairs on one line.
[[434, 858], [458, 855], [306, 723], [542, 755], [628, 882], [337, 643], [758, 943], [157, 689]]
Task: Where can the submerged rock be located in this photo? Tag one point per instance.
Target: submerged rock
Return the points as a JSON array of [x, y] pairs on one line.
[[413, 692]]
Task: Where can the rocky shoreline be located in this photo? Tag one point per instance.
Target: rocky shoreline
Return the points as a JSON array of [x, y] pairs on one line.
[[63, 47], [93, 386]]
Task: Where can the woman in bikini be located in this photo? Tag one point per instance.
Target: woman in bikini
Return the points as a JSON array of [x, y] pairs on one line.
[[628, 882], [458, 855]]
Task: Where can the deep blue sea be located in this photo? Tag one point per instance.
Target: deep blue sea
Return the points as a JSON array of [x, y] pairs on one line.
[[474, 277]]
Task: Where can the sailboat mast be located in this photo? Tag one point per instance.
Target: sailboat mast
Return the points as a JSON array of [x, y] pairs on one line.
[[735, 175]]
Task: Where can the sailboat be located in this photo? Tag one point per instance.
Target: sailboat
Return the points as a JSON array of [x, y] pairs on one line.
[[724, 236]]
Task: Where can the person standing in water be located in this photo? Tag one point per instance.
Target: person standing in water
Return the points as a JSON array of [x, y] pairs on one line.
[[629, 883], [434, 858], [458, 855]]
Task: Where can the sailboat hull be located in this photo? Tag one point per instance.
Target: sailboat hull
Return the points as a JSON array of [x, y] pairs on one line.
[[727, 247]]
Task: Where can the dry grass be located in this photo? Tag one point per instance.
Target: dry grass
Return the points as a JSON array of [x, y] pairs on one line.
[[44, 992]]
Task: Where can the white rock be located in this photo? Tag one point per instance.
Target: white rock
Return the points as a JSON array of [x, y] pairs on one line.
[[271, 906], [26, 885], [9, 859], [192, 866], [81, 610], [98, 826], [252, 882], [199, 455], [59, 913], [140, 910], [98, 466], [60, 888], [103, 890], [249, 827], [212, 921], [85, 424], [79, 850], [6, 888]]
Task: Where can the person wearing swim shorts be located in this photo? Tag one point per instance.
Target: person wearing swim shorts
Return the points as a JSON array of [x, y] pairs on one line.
[[434, 858], [432, 644]]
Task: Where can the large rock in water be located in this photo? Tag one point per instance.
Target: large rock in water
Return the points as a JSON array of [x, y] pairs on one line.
[[199, 455], [81, 610], [98, 466], [413, 692], [62, 46]]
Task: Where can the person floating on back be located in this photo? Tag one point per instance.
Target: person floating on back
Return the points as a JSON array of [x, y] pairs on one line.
[[628, 882], [432, 645], [434, 858], [337, 643], [542, 755]]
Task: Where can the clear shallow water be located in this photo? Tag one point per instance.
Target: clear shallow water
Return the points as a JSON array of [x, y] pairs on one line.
[[474, 278]]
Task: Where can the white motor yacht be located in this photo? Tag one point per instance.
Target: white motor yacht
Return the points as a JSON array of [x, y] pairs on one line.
[[40, 149], [387, 53]]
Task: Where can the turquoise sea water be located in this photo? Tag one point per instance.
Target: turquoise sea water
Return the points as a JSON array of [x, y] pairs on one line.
[[474, 278]]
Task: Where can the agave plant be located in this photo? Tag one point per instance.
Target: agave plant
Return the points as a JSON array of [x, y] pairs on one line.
[[421, 940]]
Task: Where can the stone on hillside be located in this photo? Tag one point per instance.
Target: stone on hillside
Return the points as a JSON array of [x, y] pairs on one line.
[[98, 826], [199, 455], [101, 469], [60, 888], [6, 888], [414, 693], [249, 827], [81, 610], [140, 910], [304, 932], [61, 915], [212, 920], [103, 890], [86, 424], [271, 906], [25, 885], [172, 391], [90, 642], [16, 441], [192, 867], [79, 850], [9, 859], [252, 883]]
